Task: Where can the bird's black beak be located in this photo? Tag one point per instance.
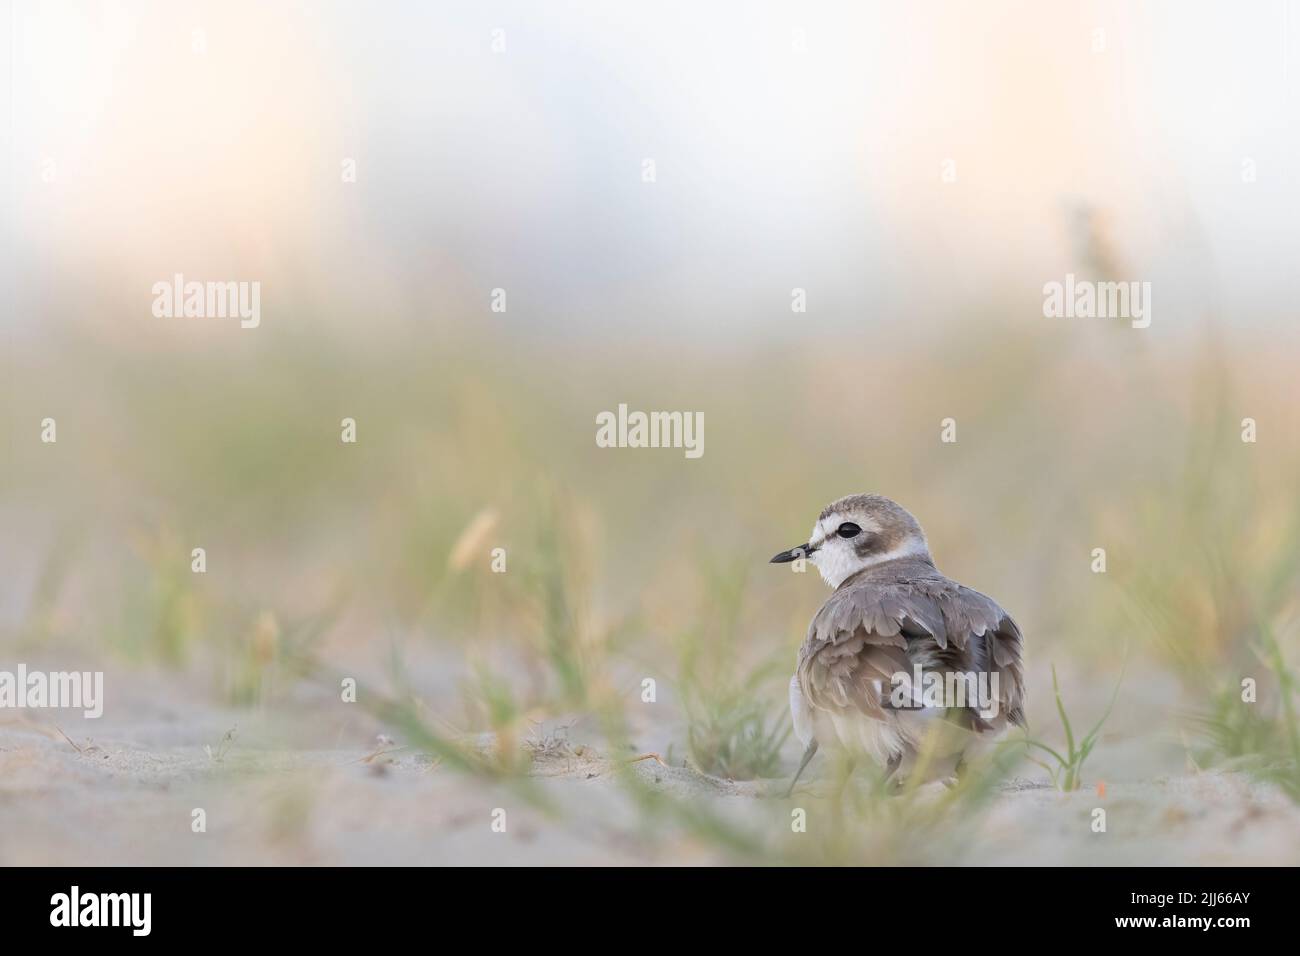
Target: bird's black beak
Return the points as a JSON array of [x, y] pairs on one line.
[[794, 554]]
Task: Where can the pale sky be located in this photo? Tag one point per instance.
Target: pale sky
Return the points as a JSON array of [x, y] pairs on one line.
[[794, 144]]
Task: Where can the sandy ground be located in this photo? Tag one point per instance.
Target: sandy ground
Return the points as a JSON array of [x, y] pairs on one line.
[[127, 794]]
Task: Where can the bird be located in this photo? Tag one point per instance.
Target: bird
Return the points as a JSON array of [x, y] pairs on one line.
[[893, 630]]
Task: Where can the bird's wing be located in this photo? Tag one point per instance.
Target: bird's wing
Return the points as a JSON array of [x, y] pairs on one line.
[[855, 644], [862, 636], [995, 645]]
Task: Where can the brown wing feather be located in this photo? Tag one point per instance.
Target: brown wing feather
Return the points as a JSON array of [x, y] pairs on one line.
[[842, 674], [878, 625]]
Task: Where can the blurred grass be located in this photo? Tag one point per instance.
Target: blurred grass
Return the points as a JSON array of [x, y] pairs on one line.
[[623, 563], [735, 724]]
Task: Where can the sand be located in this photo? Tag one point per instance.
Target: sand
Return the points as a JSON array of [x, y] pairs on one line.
[[127, 795]]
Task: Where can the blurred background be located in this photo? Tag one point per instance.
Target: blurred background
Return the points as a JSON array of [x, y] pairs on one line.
[[920, 170]]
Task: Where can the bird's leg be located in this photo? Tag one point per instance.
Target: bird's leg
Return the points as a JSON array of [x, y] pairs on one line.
[[889, 783], [892, 766], [807, 755]]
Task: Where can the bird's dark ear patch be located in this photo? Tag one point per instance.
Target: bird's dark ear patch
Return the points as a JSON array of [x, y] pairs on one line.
[[869, 542]]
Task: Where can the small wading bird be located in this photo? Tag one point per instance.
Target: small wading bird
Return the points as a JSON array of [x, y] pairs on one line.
[[893, 618]]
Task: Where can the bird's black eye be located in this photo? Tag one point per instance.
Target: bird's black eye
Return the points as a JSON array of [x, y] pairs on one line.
[[848, 530]]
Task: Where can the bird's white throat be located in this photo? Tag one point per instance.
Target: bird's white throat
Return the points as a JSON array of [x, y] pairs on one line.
[[837, 560]]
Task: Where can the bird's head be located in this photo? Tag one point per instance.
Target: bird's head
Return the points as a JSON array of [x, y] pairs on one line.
[[857, 532]]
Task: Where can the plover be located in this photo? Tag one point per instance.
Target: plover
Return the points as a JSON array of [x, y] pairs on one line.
[[893, 629]]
